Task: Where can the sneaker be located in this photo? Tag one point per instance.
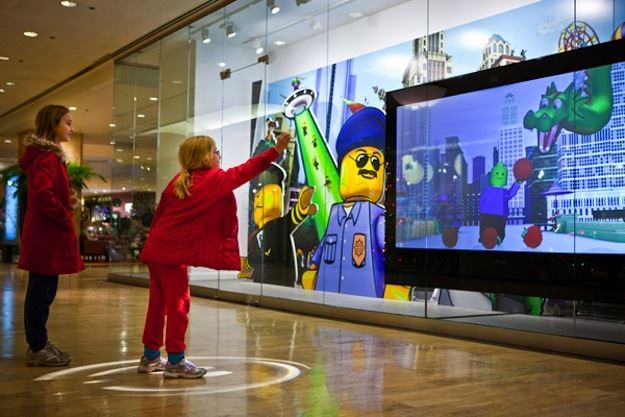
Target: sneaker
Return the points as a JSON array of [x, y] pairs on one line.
[[57, 350], [151, 365], [45, 357], [183, 369]]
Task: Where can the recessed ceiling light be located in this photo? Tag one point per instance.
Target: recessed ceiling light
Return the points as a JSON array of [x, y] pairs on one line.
[[119, 161], [66, 3], [4, 58], [112, 142], [149, 158], [355, 15], [119, 150], [10, 83], [279, 43], [1, 90], [72, 108], [112, 125], [260, 50], [140, 115], [153, 98], [221, 64], [176, 82], [8, 141], [31, 34], [136, 156]]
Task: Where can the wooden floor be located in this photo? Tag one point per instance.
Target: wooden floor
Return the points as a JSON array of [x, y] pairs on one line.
[[268, 363]]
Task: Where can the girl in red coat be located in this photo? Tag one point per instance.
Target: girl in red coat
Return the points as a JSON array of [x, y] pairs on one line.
[[48, 241], [195, 224]]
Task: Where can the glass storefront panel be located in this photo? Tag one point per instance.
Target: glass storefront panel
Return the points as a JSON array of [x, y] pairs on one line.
[[132, 197], [320, 70]]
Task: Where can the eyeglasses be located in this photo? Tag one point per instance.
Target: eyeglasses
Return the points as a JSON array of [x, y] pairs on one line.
[[362, 159], [217, 153]]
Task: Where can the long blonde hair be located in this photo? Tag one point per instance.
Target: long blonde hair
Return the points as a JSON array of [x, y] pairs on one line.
[[195, 152]]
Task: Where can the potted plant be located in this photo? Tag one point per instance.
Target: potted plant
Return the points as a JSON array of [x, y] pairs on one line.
[[78, 174]]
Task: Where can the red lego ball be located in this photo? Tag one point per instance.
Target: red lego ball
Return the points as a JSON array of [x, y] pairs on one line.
[[522, 169], [533, 237], [488, 237], [450, 237]]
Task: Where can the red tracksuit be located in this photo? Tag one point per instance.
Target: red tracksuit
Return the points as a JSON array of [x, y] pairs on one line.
[[200, 230]]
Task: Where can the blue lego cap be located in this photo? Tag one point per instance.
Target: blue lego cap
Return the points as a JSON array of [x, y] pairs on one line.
[[366, 127]]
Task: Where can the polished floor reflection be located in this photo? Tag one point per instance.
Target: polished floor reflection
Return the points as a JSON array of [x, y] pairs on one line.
[[270, 363]]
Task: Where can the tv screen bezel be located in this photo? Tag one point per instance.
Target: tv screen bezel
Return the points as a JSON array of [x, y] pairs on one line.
[[574, 276]]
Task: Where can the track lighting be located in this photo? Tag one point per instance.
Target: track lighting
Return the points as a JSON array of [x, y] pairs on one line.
[[205, 36], [257, 46], [271, 4], [229, 27]]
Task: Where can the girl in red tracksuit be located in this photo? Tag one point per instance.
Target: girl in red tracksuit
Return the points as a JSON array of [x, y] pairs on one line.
[[195, 224]]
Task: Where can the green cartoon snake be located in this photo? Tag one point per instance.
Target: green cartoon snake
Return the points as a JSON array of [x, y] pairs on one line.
[[584, 107]]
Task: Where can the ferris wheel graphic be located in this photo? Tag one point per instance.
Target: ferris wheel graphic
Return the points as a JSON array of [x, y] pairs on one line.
[[577, 35]]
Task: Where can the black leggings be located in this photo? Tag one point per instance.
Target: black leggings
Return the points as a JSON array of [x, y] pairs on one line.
[[39, 297]]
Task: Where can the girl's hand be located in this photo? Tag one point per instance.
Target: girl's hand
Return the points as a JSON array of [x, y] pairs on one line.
[[282, 141]]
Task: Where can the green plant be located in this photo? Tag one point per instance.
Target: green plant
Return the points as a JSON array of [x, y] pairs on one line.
[[78, 174], [13, 175]]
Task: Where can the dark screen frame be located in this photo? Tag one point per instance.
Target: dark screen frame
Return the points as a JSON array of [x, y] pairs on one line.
[[590, 277]]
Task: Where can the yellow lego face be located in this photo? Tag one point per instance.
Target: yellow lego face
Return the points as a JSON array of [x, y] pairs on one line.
[[362, 174], [267, 204]]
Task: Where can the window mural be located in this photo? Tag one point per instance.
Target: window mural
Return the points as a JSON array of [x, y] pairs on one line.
[[317, 221]]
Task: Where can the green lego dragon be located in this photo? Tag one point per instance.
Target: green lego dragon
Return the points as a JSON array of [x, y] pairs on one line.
[[584, 107]]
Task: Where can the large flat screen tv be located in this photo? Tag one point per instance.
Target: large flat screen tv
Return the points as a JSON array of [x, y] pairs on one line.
[[512, 179]]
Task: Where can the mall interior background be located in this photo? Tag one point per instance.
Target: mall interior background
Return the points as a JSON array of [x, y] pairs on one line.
[[229, 74]]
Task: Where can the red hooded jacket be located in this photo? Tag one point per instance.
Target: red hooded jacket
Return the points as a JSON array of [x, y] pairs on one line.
[[48, 241], [201, 230]]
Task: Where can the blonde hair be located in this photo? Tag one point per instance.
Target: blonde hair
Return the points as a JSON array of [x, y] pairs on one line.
[[195, 152]]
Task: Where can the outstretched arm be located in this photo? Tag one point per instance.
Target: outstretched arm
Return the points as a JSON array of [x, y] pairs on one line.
[[235, 177]]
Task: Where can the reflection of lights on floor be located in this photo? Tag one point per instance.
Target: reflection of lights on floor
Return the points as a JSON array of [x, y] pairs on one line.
[[287, 370]]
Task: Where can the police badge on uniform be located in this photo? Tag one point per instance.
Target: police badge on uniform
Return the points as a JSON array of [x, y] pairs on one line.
[[358, 249]]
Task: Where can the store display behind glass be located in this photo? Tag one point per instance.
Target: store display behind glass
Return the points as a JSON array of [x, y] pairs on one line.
[[331, 58]]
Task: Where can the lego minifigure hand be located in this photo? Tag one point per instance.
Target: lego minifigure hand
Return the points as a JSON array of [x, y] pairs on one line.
[[304, 205]]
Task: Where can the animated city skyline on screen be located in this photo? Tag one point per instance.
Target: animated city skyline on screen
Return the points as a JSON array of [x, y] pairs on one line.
[[533, 166]]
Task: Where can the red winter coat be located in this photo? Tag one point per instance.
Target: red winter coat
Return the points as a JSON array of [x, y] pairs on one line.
[[201, 230], [48, 240]]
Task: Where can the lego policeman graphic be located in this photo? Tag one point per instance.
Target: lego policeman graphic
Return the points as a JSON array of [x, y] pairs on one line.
[[349, 258]]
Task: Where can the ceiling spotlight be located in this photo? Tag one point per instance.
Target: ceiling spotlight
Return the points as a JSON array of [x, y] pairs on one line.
[[31, 34], [153, 99], [257, 46], [4, 58], [10, 83], [315, 22], [1, 90], [112, 125], [66, 3], [229, 27], [72, 108], [301, 2], [271, 4], [205, 36]]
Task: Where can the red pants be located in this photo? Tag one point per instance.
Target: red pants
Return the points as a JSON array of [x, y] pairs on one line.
[[169, 297]]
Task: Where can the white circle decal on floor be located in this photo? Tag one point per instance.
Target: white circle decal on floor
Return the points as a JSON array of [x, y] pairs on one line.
[[225, 374]]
